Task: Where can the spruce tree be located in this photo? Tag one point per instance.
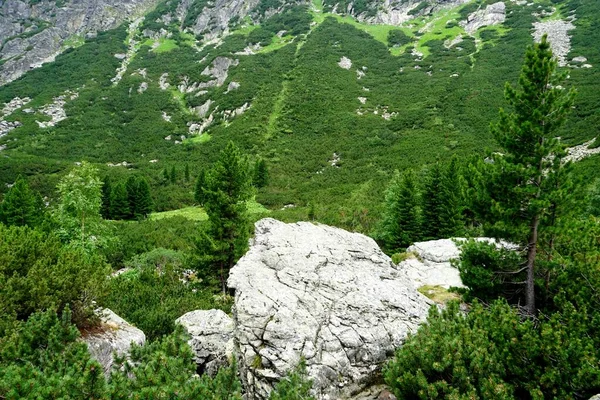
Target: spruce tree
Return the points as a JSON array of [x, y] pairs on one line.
[[529, 176], [432, 202], [166, 177], [187, 172], [227, 191], [173, 176], [261, 174], [20, 206], [451, 222], [132, 196], [119, 202], [200, 185], [401, 222], [144, 199], [106, 190]]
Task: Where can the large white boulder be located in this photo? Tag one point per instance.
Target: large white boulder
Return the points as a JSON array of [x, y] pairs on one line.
[[321, 293], [114, 335], [211, 339]]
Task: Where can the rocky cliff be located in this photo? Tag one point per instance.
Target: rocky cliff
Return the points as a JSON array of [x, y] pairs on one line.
[[33, 32]]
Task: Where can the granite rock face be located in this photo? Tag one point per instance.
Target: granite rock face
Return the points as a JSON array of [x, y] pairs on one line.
[[211, 340], [33, 34], [493, 14], [115, 336], [324, 294]]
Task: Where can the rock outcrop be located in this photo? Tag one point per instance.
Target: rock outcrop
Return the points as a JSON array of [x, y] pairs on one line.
[[211, 340], [324, 294], [397, 12], [32, 33], [558, 36], [492, 15], [115, 335]]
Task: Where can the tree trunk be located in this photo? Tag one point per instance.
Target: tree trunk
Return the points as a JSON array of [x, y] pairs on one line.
[[531, 254]]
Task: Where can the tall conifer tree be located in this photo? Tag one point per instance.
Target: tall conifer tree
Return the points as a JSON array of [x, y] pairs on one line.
[[432, 202], [143, 205], [530, 176], [21, 206], [119, 202], [227, 191], [199, 189], [451, 223], [132, 195], [401, 222]]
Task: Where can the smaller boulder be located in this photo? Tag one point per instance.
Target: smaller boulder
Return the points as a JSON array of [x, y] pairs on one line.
[[211, 340], [115, 335]]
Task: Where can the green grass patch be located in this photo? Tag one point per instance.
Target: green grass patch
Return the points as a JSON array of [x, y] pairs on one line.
[[198, 139], [74, 41], [278, 43], [438, 294], [191, 213], [164, 45], [198, 214]]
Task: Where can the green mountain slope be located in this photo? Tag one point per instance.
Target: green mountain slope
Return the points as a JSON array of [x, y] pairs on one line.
[[332, 136]]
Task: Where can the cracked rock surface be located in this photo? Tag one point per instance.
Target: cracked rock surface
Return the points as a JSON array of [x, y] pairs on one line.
[[211, 340], [33, 33], [493, 14], [116, 336], [324, 294]]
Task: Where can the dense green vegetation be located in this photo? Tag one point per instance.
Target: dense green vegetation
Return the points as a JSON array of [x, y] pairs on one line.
[[123, 182]]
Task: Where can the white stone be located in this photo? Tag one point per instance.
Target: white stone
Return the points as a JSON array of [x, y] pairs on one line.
[[345, 63], [114, 336], [323, 293], [211, 340], [493, 14], [558, 36]]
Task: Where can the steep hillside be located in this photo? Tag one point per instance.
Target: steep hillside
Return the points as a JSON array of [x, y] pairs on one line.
[[334, 95]]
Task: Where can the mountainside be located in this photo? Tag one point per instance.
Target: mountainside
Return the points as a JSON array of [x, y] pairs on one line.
[[333, 95]]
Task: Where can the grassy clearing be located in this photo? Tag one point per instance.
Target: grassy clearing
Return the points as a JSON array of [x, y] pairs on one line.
[[198, 214], [198, 139], [278, 43], [164, 45], [438, 294]]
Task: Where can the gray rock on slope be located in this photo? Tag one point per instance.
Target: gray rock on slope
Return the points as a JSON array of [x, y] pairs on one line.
[[32, 34], [493, 14], [211, 340], [115, 336], [324, 294]]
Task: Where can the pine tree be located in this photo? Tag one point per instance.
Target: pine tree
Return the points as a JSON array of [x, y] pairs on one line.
[[20, 206], [227, 191], [451, 222], [166, 177], [173, 176], [119, 202], [261, 173], [432, 202], [401, 222], [187, 172], [106, 190], [132, 196], [530, 176], [144, 199], [200, 185]]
